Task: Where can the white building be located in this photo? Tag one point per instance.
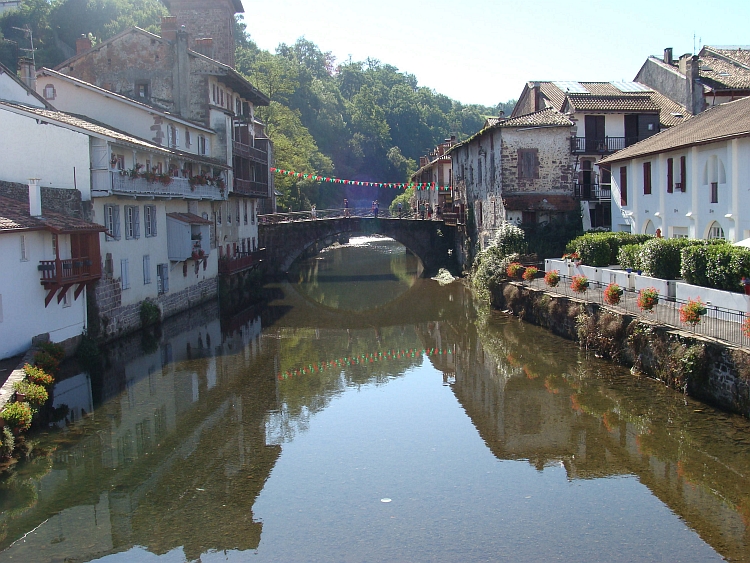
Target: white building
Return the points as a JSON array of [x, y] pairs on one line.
[[690, 181]]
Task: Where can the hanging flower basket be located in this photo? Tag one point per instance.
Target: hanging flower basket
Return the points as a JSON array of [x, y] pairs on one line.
[[552, 278], [746, 327], [514, 270], [613, 294], [579, 284], [648, 298], [530, 273], [692, 311]]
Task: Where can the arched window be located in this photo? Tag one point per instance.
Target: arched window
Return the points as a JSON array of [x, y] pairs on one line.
[[715, 231], [649, 229]]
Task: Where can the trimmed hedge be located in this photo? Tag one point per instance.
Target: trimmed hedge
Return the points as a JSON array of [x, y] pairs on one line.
[[720, 266], [629, 256], [602, 249], [662, 258]]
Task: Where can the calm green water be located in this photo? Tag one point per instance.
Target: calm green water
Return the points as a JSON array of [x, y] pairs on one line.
[[341, 425]]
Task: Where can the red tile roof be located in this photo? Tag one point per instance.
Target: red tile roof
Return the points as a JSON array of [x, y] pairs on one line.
[[14, 216]]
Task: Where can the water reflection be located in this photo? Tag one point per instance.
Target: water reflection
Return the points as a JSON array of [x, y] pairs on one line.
[[274, 434]]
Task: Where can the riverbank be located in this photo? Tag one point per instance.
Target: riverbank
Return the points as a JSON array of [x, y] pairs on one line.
[[709, 370]]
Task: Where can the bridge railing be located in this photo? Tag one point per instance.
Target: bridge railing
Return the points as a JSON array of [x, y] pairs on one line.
[[274, 218]]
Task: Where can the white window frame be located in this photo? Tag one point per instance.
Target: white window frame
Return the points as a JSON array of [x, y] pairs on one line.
[[112, 221], [132, 222], [149, 220], [146, 269]]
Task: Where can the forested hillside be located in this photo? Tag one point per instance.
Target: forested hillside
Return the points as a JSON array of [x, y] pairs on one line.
[[359, 120]]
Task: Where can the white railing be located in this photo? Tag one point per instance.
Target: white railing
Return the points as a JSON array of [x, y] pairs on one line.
[[122, 184]]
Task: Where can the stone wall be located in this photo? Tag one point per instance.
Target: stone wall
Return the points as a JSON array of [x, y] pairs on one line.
[[111, 319], [709, 370], [57, 200]]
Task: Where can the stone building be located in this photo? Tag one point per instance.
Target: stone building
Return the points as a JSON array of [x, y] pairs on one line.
[[518, 170], [435, 168]]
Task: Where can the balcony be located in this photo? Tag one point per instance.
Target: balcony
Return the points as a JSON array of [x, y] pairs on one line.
[[122, 184], [247, 151], [607, 145], [593, 192], [63, 274], [251, 188], [241, 262]]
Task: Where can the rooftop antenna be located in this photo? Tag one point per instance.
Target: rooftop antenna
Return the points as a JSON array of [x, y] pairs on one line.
[[27, 31]]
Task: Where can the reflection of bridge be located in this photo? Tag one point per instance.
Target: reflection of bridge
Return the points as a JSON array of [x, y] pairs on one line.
[[431, 241]]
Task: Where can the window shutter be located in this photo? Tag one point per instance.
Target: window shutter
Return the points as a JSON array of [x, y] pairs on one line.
[[153, 220], [146, 269], [116, 221], [165, 276], [176, 137], [124, 278], [136, 222]]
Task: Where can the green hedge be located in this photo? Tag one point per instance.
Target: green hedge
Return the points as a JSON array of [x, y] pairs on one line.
[[629, 256], [720, 266], [662, 258], [602, 249]]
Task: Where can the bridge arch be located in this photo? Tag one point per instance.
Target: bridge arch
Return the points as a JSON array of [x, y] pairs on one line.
[[431, 241]]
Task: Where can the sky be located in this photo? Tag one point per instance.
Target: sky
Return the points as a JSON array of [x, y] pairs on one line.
[[484, 51]]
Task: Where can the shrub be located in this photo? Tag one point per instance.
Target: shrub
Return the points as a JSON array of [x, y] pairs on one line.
[[36, 395], [17, 415], [150, 313], [510, 239], [46, 362], [692, 311], [38, 375], [514, 270], [54, 350], [629, 256], [7, 443], [720, 266], [612, 294], [648, 298], [662, 258], [591, 246], [530, 273], [552, 278], [579, 284], [489, 270]]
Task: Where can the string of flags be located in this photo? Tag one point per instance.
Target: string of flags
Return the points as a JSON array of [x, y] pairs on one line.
[[362, 360], [395, 185]]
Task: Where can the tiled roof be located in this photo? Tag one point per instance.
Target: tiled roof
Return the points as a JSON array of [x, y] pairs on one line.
[[724, 121], [739, 54], [539, 202], [590, 102], [14, 216], [97, 128], [190, 218], [546, 117], [721, 73]]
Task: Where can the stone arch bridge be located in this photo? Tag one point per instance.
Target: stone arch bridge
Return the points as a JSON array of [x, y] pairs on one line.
[[431, 241]]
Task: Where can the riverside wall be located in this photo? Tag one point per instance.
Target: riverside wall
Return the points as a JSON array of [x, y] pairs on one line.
[[709, 370]]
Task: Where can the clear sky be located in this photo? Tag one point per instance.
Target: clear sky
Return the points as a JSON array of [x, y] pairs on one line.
[[484, 51]]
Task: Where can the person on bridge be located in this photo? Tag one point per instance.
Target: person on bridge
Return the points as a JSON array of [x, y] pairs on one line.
[[400, 209], [375, 208], [346, 207], [313, 212]]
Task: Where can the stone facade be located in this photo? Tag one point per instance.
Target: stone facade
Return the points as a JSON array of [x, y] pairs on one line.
[[203, 20], [57, 200]]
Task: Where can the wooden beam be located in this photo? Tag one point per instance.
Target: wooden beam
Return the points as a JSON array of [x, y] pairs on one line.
[[50, 295], [63, 291], [79, 289]]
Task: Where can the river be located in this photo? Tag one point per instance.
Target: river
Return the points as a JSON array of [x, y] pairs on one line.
[[368, 414]]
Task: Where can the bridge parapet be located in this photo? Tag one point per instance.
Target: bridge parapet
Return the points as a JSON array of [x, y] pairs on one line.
[[431, 241]]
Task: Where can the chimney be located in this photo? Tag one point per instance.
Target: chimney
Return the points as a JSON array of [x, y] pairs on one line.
[[668, 56], [205, 46], [28, 72], [35, 198], [535, 92], [423, 161], [169, 28], [694, 98], [182, 99], [83, 44]]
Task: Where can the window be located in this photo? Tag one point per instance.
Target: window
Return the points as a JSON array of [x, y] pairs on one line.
[[253, 244], [132, 222], [146, 269], [112, 221], [245, 212], [237, 212], [65, 298], [149, 220], [679, 232], [715, 232], [252, 212], [174, 136], [162, 278], [646, 178], [683, 174], [54, 245], [229, 213], [218, 215], [670, 175], [142, 90], [623, 185], [528, 164], [715, 192], [49, 92], [201, 144], [213, 93], [24, 249], [188, 141], [124, 274]]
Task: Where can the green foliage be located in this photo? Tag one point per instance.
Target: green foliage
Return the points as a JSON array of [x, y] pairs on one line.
[[7, 443], [720, 266], [510, 239], [405, 199], [490, 267], [592, 246], [662, 258], [54, 350], [47, 362], [17, 415], [150, 313], [629, 256], [547, 240], [36, 395], [38, 375]]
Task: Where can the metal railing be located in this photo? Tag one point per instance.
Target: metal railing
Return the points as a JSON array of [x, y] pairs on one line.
[[597, 146], [122, 184], [718, 323], [593, 192], [274, 218]]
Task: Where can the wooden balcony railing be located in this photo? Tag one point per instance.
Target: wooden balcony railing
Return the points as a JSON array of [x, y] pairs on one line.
[[247, 151], [251, 188], [62, 274], [241, 261]]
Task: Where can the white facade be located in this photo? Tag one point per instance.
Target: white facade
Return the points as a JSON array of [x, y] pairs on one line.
[[717, 190], [23, 314]]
